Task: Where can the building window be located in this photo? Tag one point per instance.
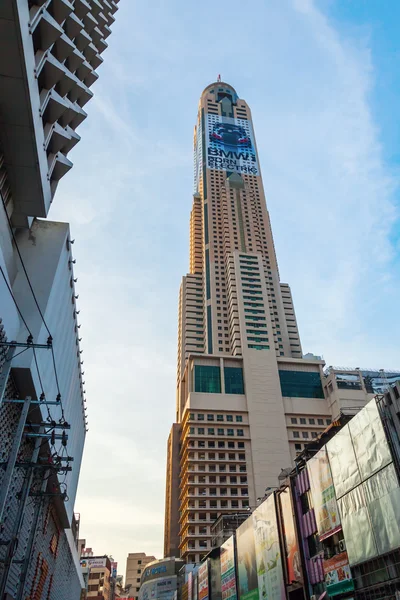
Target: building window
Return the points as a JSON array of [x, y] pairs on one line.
[[314, 434], [200, 417], [320, 421], [221, 431], [305, 435], [296, 434], [239, 418], [210, 431], [293, 420], [207, 379], [328, 421], [303, 421], [200, 430], [301, 384], [220, 417], [229, 418], [233, 380], [297, 446], [191, 430], [311, 421], [240, 432], [210, 417], [230, 431]]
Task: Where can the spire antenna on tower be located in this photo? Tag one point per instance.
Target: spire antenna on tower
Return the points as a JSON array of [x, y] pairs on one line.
[[219, 78]]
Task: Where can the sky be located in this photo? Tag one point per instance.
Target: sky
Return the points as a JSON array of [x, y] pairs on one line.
[[321, 78]]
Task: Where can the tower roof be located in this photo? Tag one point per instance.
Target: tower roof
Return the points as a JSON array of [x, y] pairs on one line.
[[220, 86]]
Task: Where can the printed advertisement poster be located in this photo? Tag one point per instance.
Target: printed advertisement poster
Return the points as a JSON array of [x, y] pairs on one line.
[[203, 581], [323, 494], [114, 567], [338, 575], [164, 588], [246, 559], [268, 552], [293, 559], [190, 585], [228, 575], [230, 145]]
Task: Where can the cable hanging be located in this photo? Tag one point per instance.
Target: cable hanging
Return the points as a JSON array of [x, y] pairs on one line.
[[50, 338]]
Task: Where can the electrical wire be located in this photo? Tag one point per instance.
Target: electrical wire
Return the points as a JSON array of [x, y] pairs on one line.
[[15, 355], [15, 302], [43, 395], [50, 338], [24, 268]]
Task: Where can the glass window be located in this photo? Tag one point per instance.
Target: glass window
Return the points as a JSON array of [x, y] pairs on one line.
[[221, 431], [207, 379], [301, 384], [302, 421], [328, 421], [229, 418], [239, 418], [240, 432], [320, 421], [293, 420], [210, 431], [191, 430], [305, 434], [297, 446], [314, 434], [296, 434], [233, 380], [220, 417], [230, 431], [311, 421], [200, 430], [210, 417], [200, 417], [221, 444]]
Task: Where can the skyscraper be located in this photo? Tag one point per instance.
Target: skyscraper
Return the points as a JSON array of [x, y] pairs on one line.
[[242, 381]]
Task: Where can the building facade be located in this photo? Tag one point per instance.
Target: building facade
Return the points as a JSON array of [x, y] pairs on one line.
[[50, 50], [135, 565], [248, 400], [330, 530]]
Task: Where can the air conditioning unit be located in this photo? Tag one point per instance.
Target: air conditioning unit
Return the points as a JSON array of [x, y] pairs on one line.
[[342, 546]]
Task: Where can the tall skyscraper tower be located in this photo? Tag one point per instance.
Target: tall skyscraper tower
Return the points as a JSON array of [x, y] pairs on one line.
[[241, 370]]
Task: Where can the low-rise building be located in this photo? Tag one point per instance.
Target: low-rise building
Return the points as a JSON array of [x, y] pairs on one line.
[[135, 564]]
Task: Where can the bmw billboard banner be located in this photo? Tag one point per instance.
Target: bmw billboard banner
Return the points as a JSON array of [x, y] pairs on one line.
[[230, 145]]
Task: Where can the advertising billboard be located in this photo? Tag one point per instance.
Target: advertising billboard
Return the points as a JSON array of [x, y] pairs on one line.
[[323, 494], [162, 568], [246, 560], [230, 145], [190, 585], [114, 568], [268, 552], [337, 572], [163, 587], [203, 581], [94, 562], [228, 571], [293, 559]]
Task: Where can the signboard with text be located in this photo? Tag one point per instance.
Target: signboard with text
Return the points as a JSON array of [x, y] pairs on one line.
[[230, 145], [338, 578]]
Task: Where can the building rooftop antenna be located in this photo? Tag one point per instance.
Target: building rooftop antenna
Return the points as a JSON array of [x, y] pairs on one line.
[[219, 79]]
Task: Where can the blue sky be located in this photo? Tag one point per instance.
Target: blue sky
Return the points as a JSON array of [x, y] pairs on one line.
[[321, 79]]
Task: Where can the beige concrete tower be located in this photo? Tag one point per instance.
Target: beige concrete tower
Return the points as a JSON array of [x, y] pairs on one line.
[[242, 381]]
